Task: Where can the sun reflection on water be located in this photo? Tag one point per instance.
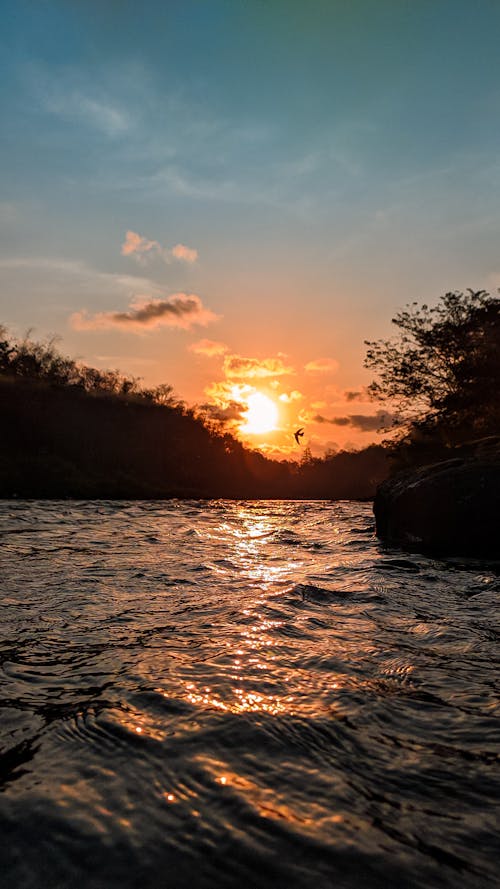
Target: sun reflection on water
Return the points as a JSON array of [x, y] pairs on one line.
[[240, 701], [250, 547], [250, 660]]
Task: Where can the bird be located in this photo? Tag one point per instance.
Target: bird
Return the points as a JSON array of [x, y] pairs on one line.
[[298, 435]]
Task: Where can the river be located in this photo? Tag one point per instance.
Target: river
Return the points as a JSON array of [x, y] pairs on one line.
[[241, 694]]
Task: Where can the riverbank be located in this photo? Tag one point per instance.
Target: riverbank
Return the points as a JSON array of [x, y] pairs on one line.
[[62, 441], [449, 508]]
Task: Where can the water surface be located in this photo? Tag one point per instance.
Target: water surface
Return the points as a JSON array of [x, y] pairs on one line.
[[241, 694]]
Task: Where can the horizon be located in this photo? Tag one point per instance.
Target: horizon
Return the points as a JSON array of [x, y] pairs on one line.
[[231, 197]]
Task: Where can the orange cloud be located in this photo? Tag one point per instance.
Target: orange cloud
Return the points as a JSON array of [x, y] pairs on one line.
[[322, 365], [253, 368], [289, 397], [139, 247], [224, 392], [210, 348], [227, 402], [179, 310], [186, 254], [135, 245]]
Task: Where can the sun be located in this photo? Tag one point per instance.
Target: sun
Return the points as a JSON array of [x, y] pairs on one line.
[[261, 414]]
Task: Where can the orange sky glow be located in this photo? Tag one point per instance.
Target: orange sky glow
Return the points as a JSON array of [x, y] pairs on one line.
[[259, 378], [230, 198]]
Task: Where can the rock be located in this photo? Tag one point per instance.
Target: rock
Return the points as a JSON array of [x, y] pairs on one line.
[[450, 508]]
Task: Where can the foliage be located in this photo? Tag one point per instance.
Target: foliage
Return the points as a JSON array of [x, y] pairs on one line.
[[69, 430], [27, 359], [441, 373]]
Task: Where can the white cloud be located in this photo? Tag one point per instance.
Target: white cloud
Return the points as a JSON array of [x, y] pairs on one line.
[[109, 119], [72, 279], [75, 104]]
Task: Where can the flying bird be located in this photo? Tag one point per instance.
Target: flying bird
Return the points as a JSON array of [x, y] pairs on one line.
[[298, 435]]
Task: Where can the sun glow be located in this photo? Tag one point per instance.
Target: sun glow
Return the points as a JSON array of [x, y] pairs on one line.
[[261, 414]]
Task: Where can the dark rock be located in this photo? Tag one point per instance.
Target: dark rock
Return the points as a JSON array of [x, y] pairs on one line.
[[450, 508]]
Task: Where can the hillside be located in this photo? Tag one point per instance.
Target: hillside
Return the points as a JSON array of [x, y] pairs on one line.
[[73, 431]]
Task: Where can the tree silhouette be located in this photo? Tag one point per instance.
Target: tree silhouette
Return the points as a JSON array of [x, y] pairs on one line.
[[442, 372], [69, 430]]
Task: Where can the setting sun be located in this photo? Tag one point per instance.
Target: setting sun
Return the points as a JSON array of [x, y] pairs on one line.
[[261, 415]]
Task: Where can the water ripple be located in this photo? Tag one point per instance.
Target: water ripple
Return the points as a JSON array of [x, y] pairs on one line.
[[251, 694]]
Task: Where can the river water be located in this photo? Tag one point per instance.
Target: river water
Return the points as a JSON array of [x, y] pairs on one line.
[[241, 694]]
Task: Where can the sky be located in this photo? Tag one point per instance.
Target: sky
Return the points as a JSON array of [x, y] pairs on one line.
[[231, 196]]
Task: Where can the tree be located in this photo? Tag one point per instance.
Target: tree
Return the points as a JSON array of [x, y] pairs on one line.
[[442, 373]]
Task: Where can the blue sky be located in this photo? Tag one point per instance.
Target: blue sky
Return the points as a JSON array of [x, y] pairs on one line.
[[328, 162]]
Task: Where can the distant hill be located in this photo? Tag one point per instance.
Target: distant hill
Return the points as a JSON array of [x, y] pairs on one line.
[[74, 431]]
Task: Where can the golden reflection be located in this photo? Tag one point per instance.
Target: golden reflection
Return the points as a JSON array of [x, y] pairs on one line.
[[248, 547], [267, 802], [242, 701], [254, 648], [139, 723]]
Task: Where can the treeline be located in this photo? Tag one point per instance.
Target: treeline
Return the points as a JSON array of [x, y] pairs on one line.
[[68, 430], [29, 360], [441, 375]]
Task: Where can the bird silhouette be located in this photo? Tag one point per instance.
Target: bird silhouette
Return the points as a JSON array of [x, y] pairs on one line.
[[298, 435]]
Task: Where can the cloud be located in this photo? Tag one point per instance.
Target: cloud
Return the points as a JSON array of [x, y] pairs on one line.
[[252, 368], [184, 253], [227, 402], [68, 284], [233, 411], [140, 248], [210, 348], [356, 395], [179, 310], [289, 397], [364, 422], [135, 245], [322, 365], [110, 120], [223, 392], [278, 189], [335, 421], [183, 182], [88, 110]]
